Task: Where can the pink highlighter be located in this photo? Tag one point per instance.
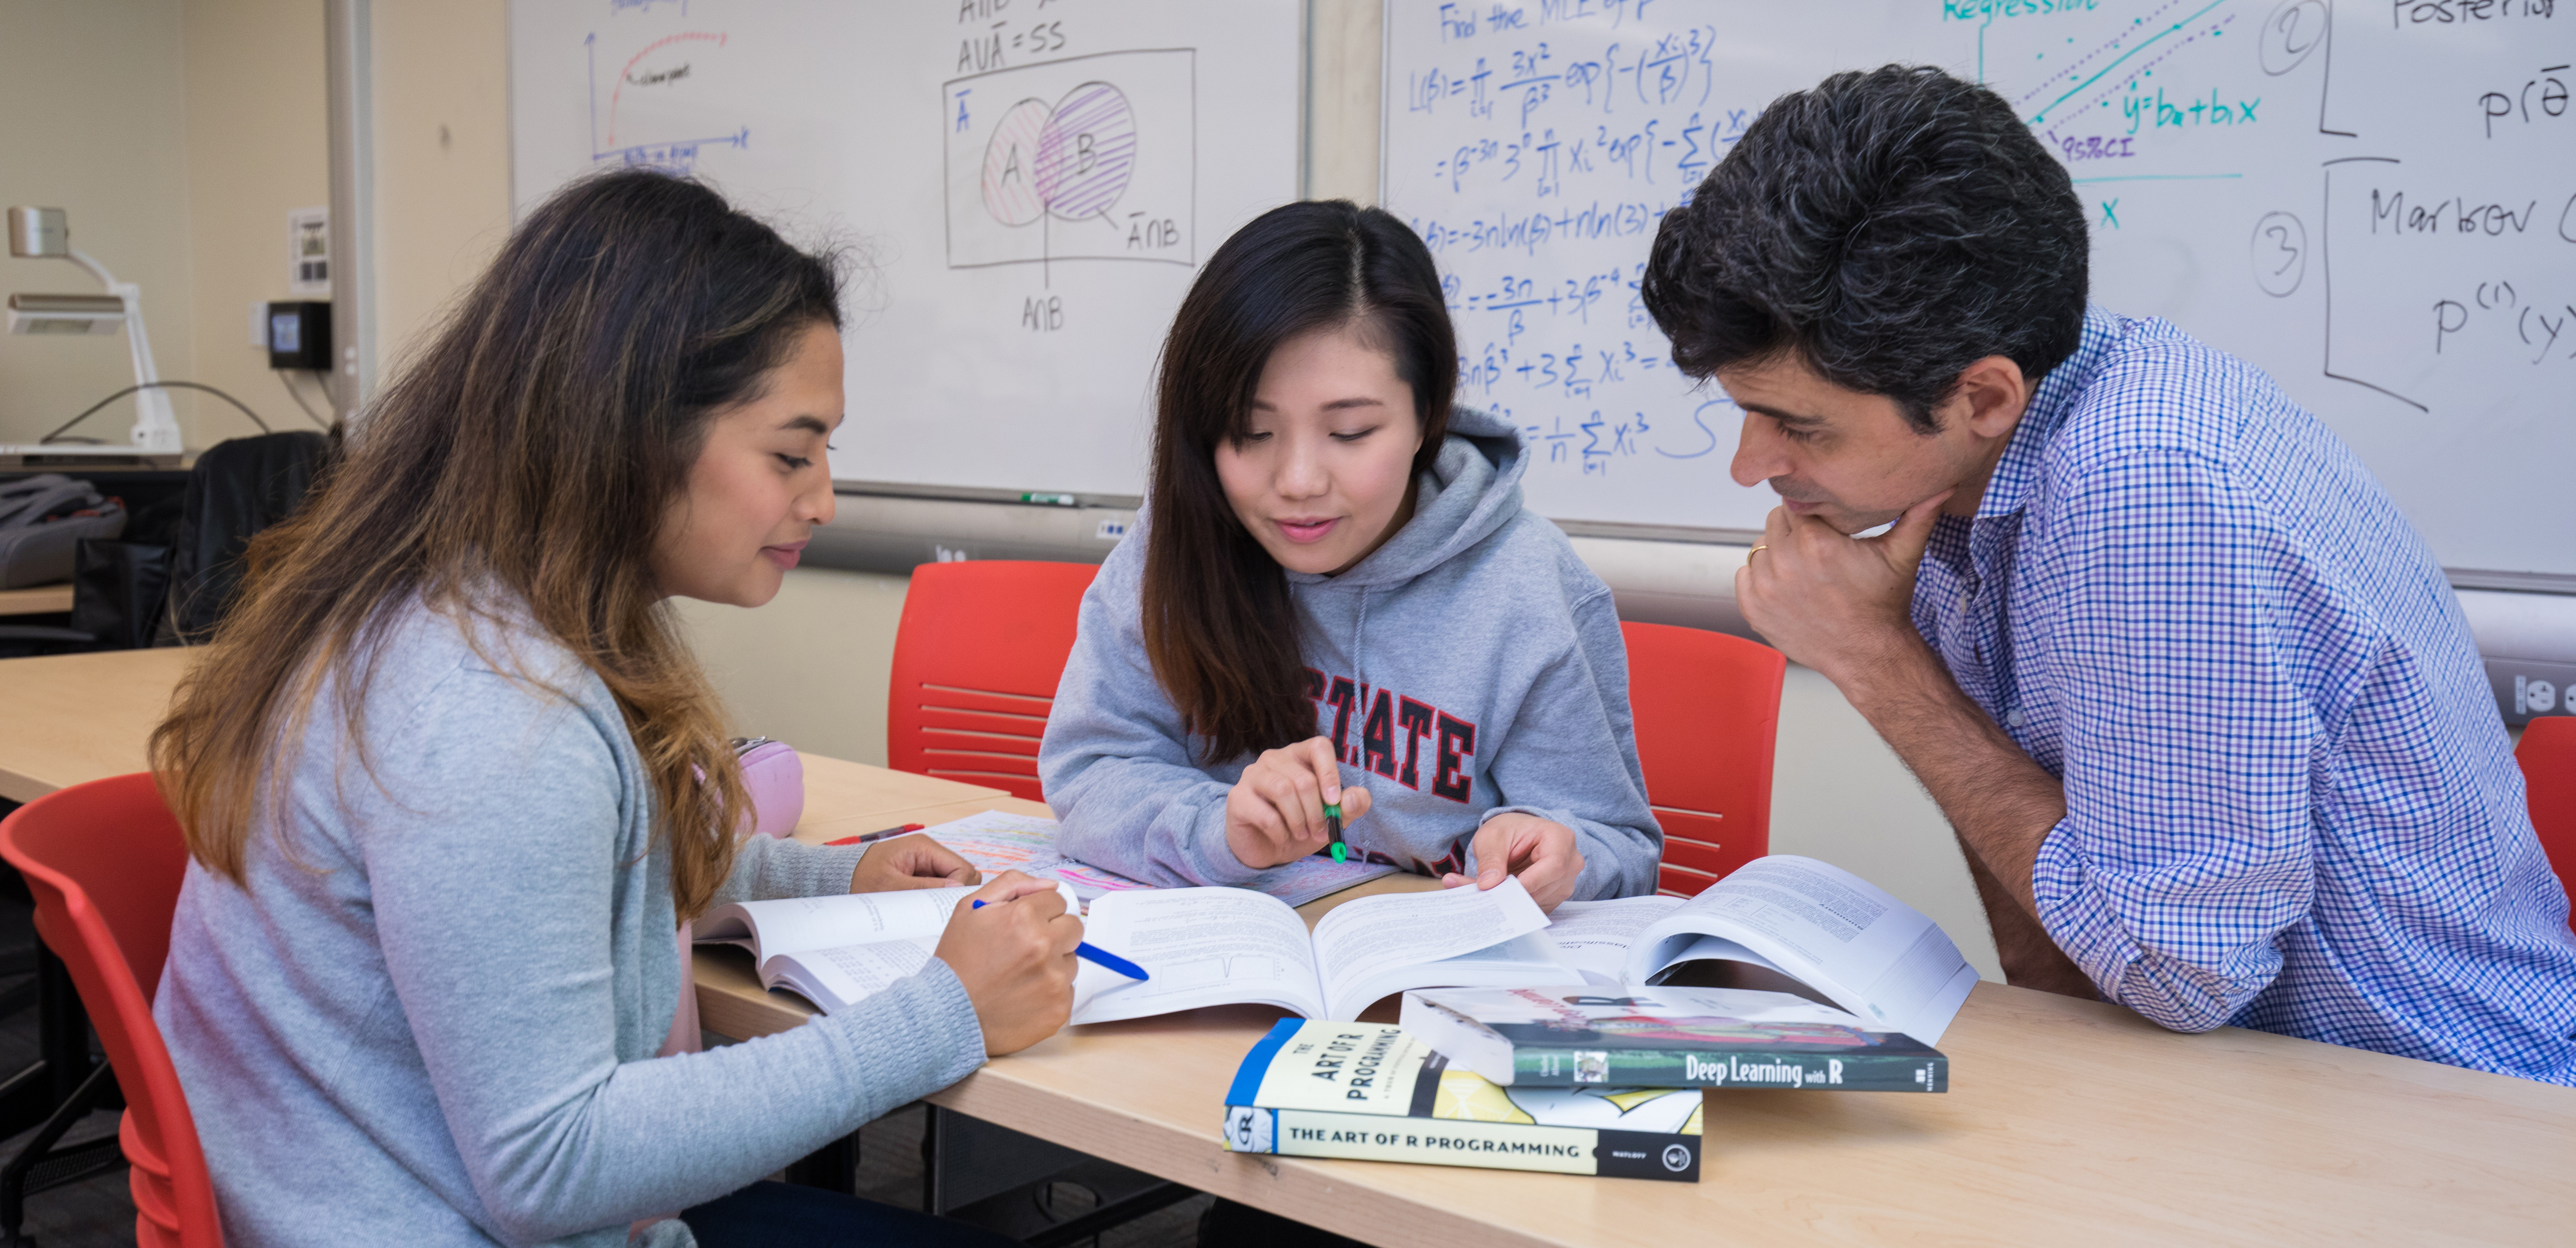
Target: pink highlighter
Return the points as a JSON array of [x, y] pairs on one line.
[[775, 778]]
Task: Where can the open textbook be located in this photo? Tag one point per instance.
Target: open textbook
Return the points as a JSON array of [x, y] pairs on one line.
[[1225, 946], [836, 950], [1816, 923], [1202, 946], [998, 840]]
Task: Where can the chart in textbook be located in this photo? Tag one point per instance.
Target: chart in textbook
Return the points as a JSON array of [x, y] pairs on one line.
[[2376, 203], [1028, 187]]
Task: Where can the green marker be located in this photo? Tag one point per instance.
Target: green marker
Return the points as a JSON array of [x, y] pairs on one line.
[[1059, 500], [1333, 829]]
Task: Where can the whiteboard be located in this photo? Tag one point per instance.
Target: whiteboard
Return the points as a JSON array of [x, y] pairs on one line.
[[2375, 203], [1032, 186]]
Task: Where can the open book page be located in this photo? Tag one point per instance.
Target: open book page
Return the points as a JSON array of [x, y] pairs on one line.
[[1202, 946], [1593, 936], [1378, 945], [1836, 932], [833, 978], [796, 924], [999, 841]]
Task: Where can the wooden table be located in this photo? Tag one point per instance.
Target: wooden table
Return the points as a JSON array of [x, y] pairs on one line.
[[36, 600], [2066, 1122]]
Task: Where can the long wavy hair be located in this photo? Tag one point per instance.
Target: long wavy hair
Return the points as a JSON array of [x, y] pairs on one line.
[[520, 468], [1220, 628]]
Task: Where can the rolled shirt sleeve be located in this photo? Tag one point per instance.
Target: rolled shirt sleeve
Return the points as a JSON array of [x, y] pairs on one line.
[[2171, 640]]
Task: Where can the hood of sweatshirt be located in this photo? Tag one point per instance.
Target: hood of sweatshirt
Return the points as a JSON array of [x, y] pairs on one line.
[[1471, 665], [1472, 490]]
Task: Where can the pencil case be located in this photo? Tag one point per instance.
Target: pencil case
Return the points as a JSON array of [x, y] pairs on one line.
[[775, 778]]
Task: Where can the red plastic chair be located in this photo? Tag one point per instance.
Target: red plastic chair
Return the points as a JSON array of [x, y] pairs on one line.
[[976, 661], [104, 861], [2548, 758], [1708, 718]]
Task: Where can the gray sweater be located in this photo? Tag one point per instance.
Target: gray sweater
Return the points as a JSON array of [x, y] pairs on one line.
[[1470, 666], [432, 1016]]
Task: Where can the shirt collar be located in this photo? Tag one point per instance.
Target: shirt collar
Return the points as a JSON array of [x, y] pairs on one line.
[[2010, 485]]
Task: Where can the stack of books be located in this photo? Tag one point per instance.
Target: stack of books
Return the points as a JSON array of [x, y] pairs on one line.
[[1595, 1078]]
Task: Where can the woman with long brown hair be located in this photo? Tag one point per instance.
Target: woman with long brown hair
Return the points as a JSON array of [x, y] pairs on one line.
[[451, 781], [1336, 596]]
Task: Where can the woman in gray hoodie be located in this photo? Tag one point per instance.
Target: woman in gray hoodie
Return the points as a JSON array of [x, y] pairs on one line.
[[1337, 596]]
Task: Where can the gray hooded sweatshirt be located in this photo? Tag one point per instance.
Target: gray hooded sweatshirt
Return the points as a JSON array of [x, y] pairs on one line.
[[1470, 666]]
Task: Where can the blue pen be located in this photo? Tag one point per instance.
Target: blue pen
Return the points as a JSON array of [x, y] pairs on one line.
[[1103, 957]]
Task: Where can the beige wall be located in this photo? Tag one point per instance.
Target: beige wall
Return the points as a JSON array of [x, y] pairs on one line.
[[258, 148], [442, 103], [91, 101], [811, 667]]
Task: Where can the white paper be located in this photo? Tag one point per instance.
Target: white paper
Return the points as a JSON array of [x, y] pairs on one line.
[[1593, 936], [1198, 946], [1363, 943], [796, 924], [833, 978], [1832, 930]]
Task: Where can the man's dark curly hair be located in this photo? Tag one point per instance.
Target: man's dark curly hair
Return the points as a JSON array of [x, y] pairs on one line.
[[1889, 228]]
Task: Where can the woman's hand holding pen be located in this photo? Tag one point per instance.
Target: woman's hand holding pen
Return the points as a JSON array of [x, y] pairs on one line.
[[1015, 960], [1540, 851], [1275, 813]]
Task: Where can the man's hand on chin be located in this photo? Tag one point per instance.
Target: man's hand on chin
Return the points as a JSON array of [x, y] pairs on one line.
[[1833, 602]]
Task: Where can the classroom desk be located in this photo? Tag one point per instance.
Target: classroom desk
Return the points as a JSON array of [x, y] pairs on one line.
[[2066, 1120], [36, 600]]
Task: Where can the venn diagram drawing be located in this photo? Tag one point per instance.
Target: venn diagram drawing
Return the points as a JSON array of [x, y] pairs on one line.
[[1084, 158], [1073, 157]]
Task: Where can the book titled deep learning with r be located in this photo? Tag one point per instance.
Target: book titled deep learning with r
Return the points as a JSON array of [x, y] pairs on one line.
[[1669, 1037], [1372, 1092]]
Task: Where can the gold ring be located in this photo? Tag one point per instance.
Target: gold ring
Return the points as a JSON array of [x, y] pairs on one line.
[[1748, 555]]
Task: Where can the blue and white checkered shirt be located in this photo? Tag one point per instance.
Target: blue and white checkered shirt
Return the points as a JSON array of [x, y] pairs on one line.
[[2290, 800]]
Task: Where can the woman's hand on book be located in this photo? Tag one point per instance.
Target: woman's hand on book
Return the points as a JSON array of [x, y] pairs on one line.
[[1015, 959], [1275, 813], [1540, 851], [911, 862]]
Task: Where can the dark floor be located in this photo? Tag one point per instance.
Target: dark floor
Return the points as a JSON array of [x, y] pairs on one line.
[[98, 1212], [95, 1212]]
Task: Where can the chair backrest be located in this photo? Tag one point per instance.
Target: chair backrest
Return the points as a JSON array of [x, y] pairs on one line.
[[1708, 717], [104, 861], [237, 488], [2548, 758], [976, 661]]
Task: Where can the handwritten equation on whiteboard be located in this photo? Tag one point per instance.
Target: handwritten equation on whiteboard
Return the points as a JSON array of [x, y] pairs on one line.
[[1536, 148]]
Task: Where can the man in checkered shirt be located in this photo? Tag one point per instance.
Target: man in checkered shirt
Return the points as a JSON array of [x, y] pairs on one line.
[[2197, 701]]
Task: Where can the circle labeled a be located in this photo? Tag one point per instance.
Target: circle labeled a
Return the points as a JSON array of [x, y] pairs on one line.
[[1011, 190]]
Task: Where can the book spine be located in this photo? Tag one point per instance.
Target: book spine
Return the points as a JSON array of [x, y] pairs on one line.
[[1676, 1068], [1448, 1142]]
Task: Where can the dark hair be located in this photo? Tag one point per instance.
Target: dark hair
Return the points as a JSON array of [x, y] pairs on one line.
[[1890, 228], [536, 443], [1219, 626]]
